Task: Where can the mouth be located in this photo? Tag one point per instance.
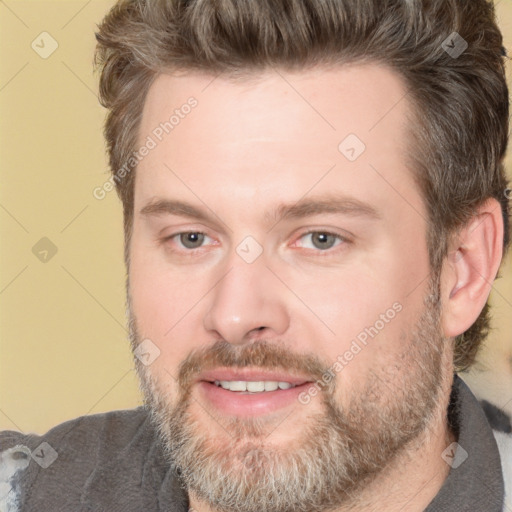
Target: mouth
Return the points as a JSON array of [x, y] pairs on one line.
[[250, 386], [246, 392]]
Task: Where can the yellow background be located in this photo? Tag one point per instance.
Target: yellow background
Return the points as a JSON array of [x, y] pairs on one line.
[[64, 350]]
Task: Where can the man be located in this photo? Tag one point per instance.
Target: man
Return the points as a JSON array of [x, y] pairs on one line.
[[315, 209]]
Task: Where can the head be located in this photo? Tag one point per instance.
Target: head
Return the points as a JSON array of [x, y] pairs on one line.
[[363, 122]]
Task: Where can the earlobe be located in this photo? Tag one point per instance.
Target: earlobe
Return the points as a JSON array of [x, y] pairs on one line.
[[471, 267]]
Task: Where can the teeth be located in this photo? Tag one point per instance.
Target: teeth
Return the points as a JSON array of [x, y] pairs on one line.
[[235, 385], [253, 386]]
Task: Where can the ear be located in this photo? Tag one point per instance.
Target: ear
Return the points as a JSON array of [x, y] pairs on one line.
[[470, 268]]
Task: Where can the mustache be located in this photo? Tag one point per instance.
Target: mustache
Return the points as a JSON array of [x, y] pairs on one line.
[[262, 354]]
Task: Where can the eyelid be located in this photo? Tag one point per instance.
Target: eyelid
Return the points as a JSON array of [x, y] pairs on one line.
[[344, 238], [176, 235]]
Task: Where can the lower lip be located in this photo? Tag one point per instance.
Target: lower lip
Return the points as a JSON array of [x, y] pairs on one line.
[[236, 403]]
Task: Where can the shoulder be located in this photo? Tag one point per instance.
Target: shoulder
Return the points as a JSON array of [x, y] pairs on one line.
[[114, 429], [501, 424], [70, 452]]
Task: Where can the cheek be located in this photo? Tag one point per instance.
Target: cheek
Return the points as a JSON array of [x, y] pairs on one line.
[[370, 309], [350, 299], [163, 313], [162, 296], [164, 305], [157, 303]]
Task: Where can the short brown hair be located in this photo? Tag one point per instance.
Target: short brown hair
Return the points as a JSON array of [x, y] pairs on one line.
[[460, 99]]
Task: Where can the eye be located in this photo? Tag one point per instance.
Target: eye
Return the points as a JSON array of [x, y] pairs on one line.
[[317, 240], [189, 239], [322, 240]]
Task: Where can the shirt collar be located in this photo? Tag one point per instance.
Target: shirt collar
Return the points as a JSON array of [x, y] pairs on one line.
[[475, 480]]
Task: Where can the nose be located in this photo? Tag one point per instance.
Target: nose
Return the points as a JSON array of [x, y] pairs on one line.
[[248, 302]]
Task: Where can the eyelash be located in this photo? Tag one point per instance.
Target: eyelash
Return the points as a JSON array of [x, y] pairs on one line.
[[343, 240]]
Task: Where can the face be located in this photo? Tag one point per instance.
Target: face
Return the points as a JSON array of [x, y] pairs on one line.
[[279, 280]]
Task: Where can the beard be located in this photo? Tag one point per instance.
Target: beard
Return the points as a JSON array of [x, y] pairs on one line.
[[336, 453]]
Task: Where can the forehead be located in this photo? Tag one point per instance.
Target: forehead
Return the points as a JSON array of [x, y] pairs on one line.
[[330, 101], [279, 130]]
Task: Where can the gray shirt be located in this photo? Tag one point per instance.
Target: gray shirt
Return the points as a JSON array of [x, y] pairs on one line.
[[114, 462]]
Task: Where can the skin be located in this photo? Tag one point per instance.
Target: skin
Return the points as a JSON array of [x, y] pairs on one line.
[[243, 151]]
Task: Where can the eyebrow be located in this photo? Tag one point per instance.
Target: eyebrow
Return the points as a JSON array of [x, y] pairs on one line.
[[330, 204]]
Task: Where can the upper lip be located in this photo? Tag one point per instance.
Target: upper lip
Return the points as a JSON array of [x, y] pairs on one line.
[[251, 374]]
